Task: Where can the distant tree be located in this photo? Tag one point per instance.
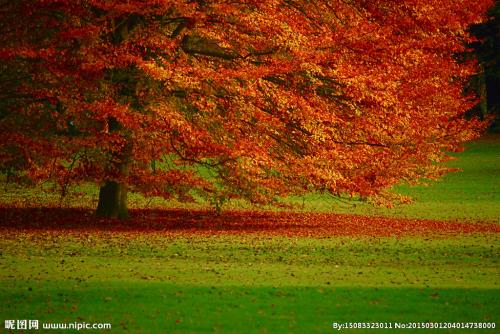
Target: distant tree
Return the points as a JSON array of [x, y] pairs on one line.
[[247, 99], [487, 51]]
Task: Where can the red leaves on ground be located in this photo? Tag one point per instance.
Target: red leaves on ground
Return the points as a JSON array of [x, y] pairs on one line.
[[204, 222]]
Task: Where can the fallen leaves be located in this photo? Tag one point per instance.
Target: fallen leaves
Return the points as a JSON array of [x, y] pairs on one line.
[[205, 222]]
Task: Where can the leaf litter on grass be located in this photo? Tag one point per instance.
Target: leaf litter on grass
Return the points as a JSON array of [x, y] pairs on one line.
[[206, 222]]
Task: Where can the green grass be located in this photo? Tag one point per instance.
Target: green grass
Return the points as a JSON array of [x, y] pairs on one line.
[[141, 307], [153, 283], [255, 260]]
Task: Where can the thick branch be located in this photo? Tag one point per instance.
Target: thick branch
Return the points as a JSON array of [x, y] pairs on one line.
[[207, 47], [200, 162]]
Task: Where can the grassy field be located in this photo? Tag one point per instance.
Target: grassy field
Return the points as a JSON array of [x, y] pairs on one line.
[[153, 280], [246, 283]]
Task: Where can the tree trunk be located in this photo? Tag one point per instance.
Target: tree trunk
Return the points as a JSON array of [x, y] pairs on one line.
[[113, 194], [113, 200], [483, 95]]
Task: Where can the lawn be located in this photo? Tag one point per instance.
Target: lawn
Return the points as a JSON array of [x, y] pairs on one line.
[[143, 283], [260, 271]]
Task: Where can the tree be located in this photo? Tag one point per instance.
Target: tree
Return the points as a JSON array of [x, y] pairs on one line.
[[485, 48], [249, 99]]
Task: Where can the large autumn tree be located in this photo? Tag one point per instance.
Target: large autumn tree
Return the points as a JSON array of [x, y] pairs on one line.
[[249, 99]]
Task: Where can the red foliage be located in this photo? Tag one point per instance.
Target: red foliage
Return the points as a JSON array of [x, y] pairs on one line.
[[273, 97], [188, 222]]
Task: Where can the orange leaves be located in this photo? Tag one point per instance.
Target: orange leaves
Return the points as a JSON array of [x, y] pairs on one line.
[[273, 97], [208, 223]]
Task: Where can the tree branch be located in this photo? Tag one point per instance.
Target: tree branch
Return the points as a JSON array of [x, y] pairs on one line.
[[206, 47], [204, 163]]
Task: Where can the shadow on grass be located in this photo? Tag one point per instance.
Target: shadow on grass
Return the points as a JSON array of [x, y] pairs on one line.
[[208, 222], [187, 309]]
